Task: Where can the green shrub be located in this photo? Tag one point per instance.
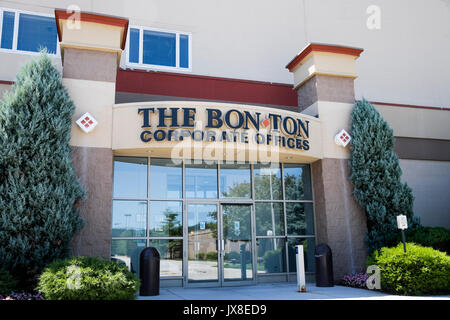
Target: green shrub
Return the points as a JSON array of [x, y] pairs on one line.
[[271, 260], [211, 256], [435, 237], [84, 278], [201, 256], [7, 282], [419, 271]]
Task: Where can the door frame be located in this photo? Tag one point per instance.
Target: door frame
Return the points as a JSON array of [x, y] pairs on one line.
[[220, 243]]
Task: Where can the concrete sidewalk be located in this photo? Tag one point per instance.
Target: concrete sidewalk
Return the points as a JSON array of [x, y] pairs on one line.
[[283, 291]]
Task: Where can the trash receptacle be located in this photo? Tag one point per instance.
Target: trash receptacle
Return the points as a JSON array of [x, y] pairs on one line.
[[324, 266], [149, 272]]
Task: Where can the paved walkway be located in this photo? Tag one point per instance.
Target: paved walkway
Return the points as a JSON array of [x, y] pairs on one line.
[[283, 291]]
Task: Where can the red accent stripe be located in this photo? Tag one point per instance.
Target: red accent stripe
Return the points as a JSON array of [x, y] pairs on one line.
[[94, 17], [204, 87], [322, 48], [6, 82], [409, 106]]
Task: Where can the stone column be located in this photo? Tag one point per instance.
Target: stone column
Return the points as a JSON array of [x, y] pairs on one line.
[[90, 51], [323, 78]]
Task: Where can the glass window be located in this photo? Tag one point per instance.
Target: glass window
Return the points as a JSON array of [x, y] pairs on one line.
[[159, 48], [267, 182], [201, 181], [129, 218], [235, 181], [171, 257], [36, 32], [7, 30], [166, 219], [130, 177], [308, 253], [165, 179], [134, 45], [269, 219], [297, 182], [271, 255], [299, 218], [128, 251], [184, 51]]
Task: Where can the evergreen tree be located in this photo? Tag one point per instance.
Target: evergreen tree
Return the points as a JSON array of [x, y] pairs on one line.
[[375, 174], [38, 187]]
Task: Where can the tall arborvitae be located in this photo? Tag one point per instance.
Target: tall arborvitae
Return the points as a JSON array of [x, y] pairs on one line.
[[38, 187], [376, 173]]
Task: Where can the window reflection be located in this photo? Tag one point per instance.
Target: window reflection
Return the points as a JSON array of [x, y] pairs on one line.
[[297, 182], [130, 177], [129, 218], [165, 179], [171, 256], [299, 218], [166, 219], [267, 180], [271, 255], [308, 253], [201, 181], [128, 251], [235, 181], [269, 219]]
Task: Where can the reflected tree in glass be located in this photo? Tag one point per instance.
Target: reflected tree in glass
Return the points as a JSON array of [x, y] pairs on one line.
[[267, 182]]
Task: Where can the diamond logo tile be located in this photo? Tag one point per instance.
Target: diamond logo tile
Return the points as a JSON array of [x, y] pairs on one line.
[[87, 122]]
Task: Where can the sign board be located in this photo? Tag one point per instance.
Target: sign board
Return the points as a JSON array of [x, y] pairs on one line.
[[202, 225], [402, 222]]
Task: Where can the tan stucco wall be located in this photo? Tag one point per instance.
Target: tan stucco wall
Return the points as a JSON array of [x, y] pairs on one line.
[[11, 62], [417, 122], [430, 182], [97, 98]]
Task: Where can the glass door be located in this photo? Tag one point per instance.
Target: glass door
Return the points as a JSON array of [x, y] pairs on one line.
[[237, 244], [202, 245], [219, 248]]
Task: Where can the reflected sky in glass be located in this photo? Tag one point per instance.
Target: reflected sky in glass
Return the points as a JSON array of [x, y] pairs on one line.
[[130, 177], [129, 218], [165, 179], [201, 181]]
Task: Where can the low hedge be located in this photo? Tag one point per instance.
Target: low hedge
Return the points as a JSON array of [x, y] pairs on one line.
[[87, 278], [435, 237], [7, 282], [419, 271]]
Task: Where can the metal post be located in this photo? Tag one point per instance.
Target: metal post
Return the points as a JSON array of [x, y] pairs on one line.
[[403, 239], [301, 285], [243, 262]]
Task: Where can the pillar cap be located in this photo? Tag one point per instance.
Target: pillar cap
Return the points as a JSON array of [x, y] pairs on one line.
[[95, 31], [322, 47], [323, 60]]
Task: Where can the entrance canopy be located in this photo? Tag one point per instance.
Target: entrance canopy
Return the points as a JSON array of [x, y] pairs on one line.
[[215, 131]]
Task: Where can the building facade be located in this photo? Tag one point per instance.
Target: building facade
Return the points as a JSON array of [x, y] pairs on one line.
[[216, 121]]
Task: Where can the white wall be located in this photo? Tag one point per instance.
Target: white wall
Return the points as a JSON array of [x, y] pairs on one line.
[[431, 186], [406, 61]]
